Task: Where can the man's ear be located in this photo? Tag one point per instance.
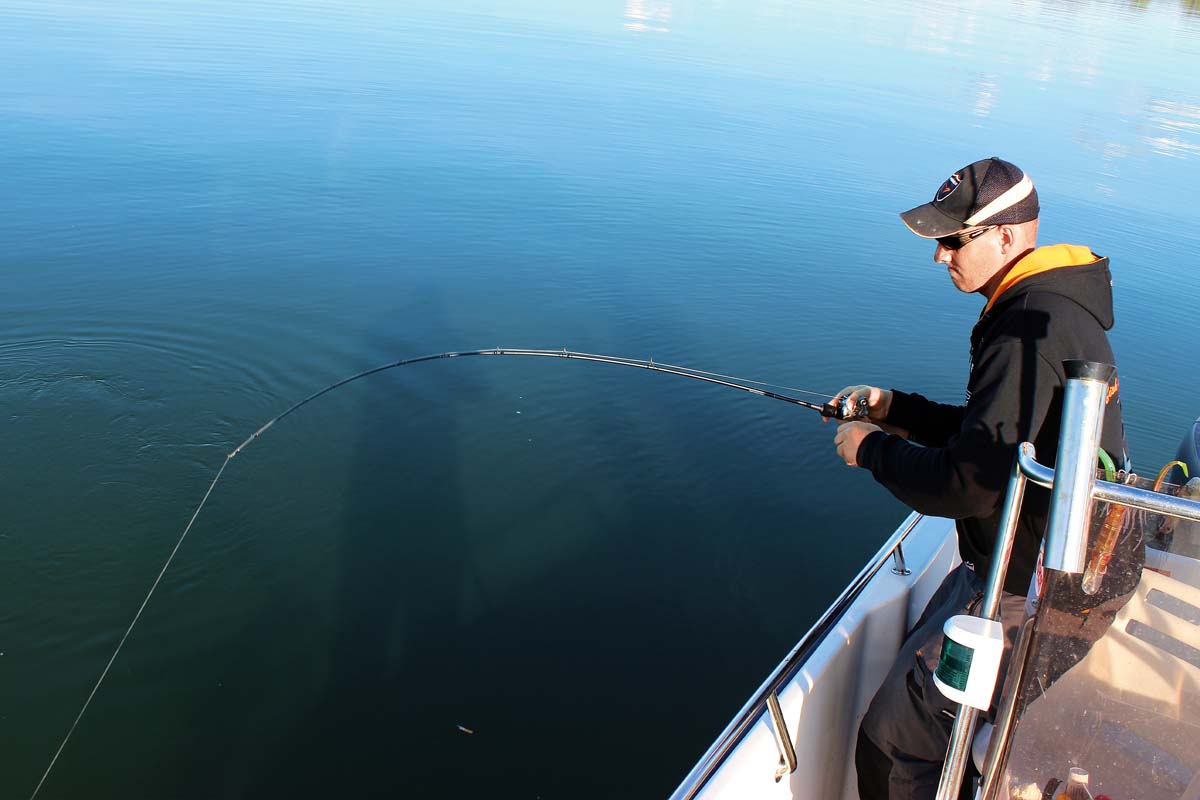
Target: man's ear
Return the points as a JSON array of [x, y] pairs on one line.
[[1008, 237]]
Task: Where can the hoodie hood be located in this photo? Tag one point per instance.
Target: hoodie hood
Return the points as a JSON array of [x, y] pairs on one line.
[[1070, 270]]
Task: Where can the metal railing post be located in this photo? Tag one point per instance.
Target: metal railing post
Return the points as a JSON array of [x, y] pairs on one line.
[[783, 739], [961, 735]]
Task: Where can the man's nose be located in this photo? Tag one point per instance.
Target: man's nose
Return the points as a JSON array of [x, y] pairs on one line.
[[942, 254]]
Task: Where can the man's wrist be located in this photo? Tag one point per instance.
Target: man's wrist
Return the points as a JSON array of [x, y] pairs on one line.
[[884, 407], [867, 446]]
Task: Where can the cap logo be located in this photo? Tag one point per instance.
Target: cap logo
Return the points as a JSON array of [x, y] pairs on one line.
[[949, 186]]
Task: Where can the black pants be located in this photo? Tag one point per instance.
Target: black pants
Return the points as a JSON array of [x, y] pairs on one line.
[[903, 737]]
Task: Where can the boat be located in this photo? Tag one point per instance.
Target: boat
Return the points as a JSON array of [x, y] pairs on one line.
[[1118, 716]]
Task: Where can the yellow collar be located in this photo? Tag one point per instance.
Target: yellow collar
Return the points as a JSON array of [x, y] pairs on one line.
[[1043, 259]]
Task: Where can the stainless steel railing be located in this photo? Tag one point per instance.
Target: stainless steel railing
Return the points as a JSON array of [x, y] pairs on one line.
[[1071, 498], [766, 699], [1131, 496]]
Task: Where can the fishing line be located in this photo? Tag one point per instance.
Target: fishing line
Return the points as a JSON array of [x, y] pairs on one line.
[[838, 411]]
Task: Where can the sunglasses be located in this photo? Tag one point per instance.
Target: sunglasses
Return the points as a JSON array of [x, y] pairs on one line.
[[960, 240]]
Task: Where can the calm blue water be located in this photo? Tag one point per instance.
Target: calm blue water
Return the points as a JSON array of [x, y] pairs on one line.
[[211, 210]]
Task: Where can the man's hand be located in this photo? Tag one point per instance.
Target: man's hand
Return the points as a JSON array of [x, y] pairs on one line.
[[879, 401], [879, 404], [848, 439]]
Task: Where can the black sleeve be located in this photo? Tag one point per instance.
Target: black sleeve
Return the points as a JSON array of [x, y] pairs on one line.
[[928, 423], [1011, 390]]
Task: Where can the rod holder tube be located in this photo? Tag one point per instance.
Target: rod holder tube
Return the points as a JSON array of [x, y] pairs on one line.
[[1075, 465]]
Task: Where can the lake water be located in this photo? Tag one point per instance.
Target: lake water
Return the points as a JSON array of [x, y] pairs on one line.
[[211, 210]]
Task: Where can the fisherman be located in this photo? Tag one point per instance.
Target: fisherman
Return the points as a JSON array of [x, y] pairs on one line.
[[1044, 305]]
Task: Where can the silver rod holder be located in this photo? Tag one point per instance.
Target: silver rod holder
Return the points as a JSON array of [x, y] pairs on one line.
[[898, 565], [1075, 466], [963, 732]]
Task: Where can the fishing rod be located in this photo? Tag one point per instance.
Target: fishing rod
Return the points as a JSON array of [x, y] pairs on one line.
[[840, 409]]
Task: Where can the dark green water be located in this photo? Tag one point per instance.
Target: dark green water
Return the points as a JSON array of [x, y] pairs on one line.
[[211, 210]]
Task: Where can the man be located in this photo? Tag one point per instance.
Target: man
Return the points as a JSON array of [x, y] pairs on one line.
[[1044, 305]]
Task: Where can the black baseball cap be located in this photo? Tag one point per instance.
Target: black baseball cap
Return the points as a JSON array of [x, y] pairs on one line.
[[988, 192]]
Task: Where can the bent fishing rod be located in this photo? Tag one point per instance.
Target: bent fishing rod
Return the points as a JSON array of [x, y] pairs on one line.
[[838, 408]]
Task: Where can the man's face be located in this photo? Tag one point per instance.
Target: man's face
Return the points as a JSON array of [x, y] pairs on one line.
[[973, 266]]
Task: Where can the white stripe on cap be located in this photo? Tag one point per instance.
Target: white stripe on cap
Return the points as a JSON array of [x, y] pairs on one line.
[[1016, 194]]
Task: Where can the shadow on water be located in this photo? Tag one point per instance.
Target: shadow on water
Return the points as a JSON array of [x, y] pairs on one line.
[[458, 594], [397, 564]]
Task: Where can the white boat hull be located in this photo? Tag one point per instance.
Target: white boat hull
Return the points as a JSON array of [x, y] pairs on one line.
[[840, 675]]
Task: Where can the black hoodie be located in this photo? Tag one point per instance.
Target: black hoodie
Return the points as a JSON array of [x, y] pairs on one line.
[[958, 459]]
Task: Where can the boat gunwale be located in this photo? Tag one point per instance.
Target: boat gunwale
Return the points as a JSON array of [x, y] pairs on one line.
[[790, 666]]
